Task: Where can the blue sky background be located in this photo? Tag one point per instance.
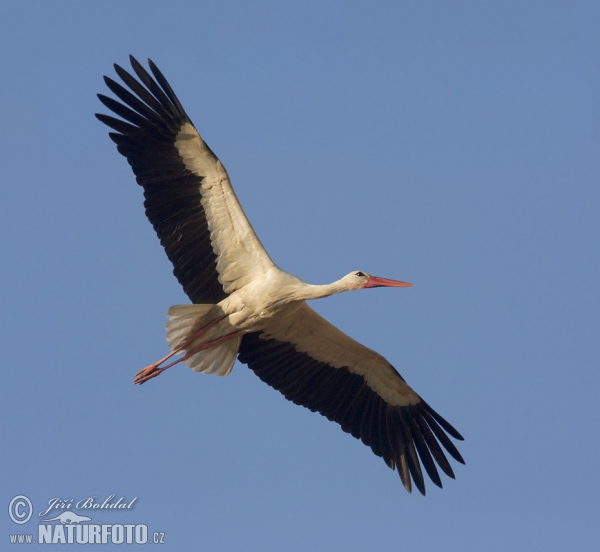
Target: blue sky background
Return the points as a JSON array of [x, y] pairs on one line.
[[452, 145]]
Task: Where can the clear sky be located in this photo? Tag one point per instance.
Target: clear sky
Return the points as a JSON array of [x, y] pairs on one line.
[[455, 145]]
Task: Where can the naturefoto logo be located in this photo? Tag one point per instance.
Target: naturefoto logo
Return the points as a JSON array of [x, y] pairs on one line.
[[68, 518], [61, 524]]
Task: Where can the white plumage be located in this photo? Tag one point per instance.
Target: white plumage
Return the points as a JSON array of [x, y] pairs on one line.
[[245, 306]]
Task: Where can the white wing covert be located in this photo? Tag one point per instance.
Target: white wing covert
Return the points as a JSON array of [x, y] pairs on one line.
[[314, 364], [188, 196]]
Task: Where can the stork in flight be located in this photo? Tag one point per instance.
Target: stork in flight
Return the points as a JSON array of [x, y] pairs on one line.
[[245, 306]]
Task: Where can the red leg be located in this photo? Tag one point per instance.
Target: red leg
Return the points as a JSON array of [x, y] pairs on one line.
[[153, 370]]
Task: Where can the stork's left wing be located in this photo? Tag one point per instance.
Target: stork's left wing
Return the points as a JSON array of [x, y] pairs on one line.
[[314, 364]]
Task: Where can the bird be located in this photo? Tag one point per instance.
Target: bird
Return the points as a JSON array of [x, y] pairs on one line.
[[244, 306]]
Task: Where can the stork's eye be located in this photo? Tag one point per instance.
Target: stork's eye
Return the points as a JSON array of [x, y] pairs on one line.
[[360, 274]]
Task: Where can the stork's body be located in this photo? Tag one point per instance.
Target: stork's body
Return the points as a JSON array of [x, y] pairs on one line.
[[244, 306]]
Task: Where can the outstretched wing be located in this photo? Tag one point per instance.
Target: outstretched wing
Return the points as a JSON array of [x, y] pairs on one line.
[[189, 199], [315, 365]]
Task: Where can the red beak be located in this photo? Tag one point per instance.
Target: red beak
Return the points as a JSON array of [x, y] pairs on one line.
[[375, 281]]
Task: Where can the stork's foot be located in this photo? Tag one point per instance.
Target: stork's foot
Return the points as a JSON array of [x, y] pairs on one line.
[[148, 373], [153, 370]]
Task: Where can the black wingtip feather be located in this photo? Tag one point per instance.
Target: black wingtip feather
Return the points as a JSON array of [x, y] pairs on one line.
[[434, 447], [412, 460], [147, 137], [424, 454], [446, 425], [400, 434], [442, 437], [155, 89], [116, 124], [165, 85], [405, 436]]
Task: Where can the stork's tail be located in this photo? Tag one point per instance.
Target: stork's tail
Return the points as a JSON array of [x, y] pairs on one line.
[[187, 320]]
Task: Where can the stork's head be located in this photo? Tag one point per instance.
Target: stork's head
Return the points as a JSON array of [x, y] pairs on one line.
[[360, 279]]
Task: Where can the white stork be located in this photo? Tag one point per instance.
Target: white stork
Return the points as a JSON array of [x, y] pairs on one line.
[[245, 306]]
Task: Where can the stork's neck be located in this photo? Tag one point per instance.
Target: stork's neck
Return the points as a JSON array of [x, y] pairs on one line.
[[310, 291]]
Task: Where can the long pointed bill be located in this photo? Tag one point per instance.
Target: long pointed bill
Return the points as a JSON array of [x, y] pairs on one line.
[[375, 281]]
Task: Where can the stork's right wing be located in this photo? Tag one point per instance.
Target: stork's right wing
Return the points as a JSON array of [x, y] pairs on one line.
[[189, 199]]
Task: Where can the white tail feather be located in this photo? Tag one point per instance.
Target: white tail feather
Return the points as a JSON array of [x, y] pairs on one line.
[[217, 360], [182, 321]]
